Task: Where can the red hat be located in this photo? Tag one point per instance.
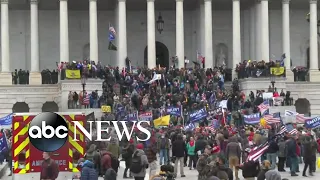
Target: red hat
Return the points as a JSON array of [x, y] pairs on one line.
[[131, 141], [139, 146]]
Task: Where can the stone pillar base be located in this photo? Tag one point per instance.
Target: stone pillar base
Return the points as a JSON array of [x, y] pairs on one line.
[[314, 75], [5, 78], [289, 75], [35, 78]]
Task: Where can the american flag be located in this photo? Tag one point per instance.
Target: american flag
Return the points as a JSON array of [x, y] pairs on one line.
[[283, 129], [271, 119], [112, 30], [264, 106], [299, 117], [289, 129], [210, 128], [256, 152]]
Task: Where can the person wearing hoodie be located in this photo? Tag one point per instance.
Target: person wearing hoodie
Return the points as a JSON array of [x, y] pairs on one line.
[[273, 175], [105, 162], [113, 147], [233, 154], [178, 150], [127, 156], [144, 162], [191, 154], [87, 170]]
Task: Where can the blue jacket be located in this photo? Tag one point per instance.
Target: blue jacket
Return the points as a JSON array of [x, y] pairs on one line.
[[88, 172]]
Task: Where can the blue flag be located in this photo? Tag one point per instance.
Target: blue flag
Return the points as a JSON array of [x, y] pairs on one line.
[[7, 120], [3, 143]]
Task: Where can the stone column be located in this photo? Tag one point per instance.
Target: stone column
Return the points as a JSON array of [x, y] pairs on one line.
[[208, 54], [35, 75], [314, 66], [94, 48], [286, 38], [265, 30], [179, 33], [258, 30], [122, 50], [236, 32], [64, 31], [5, 76], [151, 34], [252, 33]]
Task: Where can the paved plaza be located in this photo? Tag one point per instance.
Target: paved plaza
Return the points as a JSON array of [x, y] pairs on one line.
[[190, 175]]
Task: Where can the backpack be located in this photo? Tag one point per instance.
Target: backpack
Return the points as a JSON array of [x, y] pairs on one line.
[[136, 163], [115, 163]]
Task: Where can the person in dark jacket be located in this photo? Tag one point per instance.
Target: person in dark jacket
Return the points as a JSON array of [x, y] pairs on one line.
[[88, 172], [282, 155], [127, 156], [250, 169], [272, 153], [292, 154], [307, 156], [200, 144], [178, 151], [49, 168]]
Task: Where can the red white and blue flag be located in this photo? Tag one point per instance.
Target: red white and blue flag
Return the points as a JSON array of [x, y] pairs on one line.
[[271, 119], [257, 152], [264, 106], [299, 117]]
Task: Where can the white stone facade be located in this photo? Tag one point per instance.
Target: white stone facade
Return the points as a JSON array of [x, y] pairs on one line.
[[20, 50]]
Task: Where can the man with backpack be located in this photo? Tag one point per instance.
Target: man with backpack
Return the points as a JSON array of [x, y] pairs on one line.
[[139, 163], [108, 162]]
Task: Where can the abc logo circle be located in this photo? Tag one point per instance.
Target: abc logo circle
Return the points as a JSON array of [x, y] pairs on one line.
[[48, 132]]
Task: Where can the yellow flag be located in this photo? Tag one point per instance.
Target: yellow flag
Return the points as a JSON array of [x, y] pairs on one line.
[[162, 121], [73, 74]]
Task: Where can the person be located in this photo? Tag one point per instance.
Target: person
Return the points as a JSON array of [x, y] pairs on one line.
[[233, 154], [293, 153], [265, 168], [113, 147], [163, 148], [178, 149], [191, 153], [139, 163], [307, 156], [273, 175], [272, 153], [87, 170], [202, 163], [49, 168], [151, 152], [282, 155], [127, 156]]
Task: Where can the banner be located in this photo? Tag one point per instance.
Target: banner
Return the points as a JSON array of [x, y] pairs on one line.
[[198, 115], [277, 101], [312, 123], [252, 118], [131, 117], [278, 71], [162, 121], [146, 116], [216, 124], [155, 78], [7, 120], [3, 143], [190, 127], [106, 109], [73, 74], [174, 111], [223, 104]]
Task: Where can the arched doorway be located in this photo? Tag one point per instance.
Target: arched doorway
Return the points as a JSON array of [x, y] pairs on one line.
[[50, 106], [20, 107], [303, 106], [162, 55]]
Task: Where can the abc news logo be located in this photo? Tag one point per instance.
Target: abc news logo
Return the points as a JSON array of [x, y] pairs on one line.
[[48, 131]]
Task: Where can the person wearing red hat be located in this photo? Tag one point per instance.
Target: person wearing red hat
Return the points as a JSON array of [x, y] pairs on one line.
[[139, 163]]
